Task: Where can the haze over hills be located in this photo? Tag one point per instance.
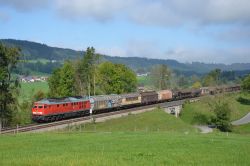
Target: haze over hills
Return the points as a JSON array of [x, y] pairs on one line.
[[33, 51]]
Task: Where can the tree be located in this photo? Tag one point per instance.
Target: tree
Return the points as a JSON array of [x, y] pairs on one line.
[[160, 76], [67, 80], [212, 78], [54, 82], [197, 85], [86, 72], [116, 78], [62, 81], [182, 81], [222, 116], [246, 83], [8, 84]]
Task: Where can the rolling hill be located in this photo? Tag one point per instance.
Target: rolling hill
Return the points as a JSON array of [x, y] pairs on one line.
[[34, 51]]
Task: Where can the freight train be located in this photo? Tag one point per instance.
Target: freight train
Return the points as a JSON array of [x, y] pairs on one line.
[[55, 109]]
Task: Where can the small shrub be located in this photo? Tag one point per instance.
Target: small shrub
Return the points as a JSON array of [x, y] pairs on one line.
[[222, 116], [243, 100]]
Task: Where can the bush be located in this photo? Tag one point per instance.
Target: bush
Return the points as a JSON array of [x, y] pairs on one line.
[[200, 118], [222, 116]]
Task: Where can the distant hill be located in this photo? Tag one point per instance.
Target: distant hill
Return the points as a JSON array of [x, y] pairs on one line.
[[33, 51]]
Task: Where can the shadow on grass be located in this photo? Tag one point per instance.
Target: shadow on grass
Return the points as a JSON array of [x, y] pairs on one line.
[[244, 101]]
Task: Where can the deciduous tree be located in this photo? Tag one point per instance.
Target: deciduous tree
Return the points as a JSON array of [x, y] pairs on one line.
[[8, 84], [160, 76], [222, 116], [62, 81], [116, 78], [86, 72], [246, 84]]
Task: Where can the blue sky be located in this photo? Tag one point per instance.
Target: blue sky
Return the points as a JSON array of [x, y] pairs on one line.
[[211, 31]]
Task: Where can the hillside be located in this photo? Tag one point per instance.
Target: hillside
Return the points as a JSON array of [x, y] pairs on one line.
[[159, 139], [37, 51]]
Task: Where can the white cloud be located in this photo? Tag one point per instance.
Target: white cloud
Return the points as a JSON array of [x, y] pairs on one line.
[[4, 17], [159, 12], [100, 10], [25, 5], [209, 55]]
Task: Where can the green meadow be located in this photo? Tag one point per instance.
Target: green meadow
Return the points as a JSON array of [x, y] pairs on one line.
[[150, 138], [199, 112], [29, 89]]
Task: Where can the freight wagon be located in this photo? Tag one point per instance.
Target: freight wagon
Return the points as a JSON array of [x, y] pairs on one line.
[[149, 97], [101, 103], [130, 99]]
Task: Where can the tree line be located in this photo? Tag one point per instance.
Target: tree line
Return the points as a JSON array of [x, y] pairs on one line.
[[162, 77], [89, 75]]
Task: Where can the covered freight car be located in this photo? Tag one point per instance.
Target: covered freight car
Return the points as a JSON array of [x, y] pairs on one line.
[[149, 97], [103, 102], [164, 95], [130, 99], [187, 93], [234, 88]]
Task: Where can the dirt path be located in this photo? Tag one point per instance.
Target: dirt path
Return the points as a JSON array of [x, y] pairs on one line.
[[204, 129], [244, 120]]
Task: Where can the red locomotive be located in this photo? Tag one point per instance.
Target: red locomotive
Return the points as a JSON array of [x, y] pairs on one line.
[[48, 110]]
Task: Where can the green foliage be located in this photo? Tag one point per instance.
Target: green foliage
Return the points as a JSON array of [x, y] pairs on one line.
[[222, 116], [213, 78], [86, 72], [197, 113], [53, 82], [196, 85], [193, 113], [39, 95], [116, 78], [143, 81], [209, 81], [62, 81], [160, 76], [8, 85], [23, 113], [246, 84], [182, 82]]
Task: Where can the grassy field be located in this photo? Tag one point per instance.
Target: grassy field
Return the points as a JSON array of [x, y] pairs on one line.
[[242, 129], [150, 138], [144, 81], [29, 89], [135, 148], [167, 142], [199, 112], [154, 121]]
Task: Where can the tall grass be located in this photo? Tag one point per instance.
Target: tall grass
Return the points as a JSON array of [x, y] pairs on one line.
[[131, 148]]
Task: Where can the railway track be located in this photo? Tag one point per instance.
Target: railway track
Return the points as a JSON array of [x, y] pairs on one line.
[[36, 127]]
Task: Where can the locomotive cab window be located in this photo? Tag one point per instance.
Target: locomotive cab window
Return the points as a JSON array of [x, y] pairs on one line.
[[35, 106], [40, 106]]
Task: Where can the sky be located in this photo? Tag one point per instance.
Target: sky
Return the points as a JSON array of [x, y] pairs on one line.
[[210, 31]]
